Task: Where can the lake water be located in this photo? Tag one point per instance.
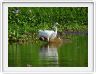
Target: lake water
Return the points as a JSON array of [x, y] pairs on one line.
[[73, 52]]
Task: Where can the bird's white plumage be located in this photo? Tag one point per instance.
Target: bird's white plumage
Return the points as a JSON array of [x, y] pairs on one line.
[[49, 34]]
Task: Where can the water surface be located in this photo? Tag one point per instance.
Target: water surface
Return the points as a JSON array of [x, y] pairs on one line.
[[73, 52]]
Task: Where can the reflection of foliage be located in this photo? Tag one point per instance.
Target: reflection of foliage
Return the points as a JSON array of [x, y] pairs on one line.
[[23, 20]]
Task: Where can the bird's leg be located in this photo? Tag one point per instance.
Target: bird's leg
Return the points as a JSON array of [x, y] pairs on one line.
[[48, 39]]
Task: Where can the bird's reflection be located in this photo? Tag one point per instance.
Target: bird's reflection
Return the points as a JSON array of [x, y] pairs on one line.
[[49, 54]]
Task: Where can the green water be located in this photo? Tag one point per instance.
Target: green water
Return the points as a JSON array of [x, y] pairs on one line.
[[73, 52]]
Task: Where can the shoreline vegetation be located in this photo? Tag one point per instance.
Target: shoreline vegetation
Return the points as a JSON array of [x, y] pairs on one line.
[[24, 23]]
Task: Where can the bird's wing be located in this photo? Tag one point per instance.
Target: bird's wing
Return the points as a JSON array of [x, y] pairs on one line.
[[45, 33]]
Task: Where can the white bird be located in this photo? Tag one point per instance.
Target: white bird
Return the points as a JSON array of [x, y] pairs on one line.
[[48, 34]]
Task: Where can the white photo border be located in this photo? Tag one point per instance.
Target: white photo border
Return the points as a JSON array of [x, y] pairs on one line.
[[48, 0], [0, 35], [95, 36], [90, 67]]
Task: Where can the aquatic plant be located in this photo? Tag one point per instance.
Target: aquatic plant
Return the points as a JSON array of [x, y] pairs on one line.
[[24, 22]]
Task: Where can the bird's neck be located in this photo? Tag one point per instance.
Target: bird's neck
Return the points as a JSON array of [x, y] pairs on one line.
[[56, 29]]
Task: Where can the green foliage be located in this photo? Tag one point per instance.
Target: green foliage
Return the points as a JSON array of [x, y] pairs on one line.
[[25, 20]]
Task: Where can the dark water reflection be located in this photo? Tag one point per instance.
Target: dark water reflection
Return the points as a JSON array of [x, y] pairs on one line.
[[73, 52]]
